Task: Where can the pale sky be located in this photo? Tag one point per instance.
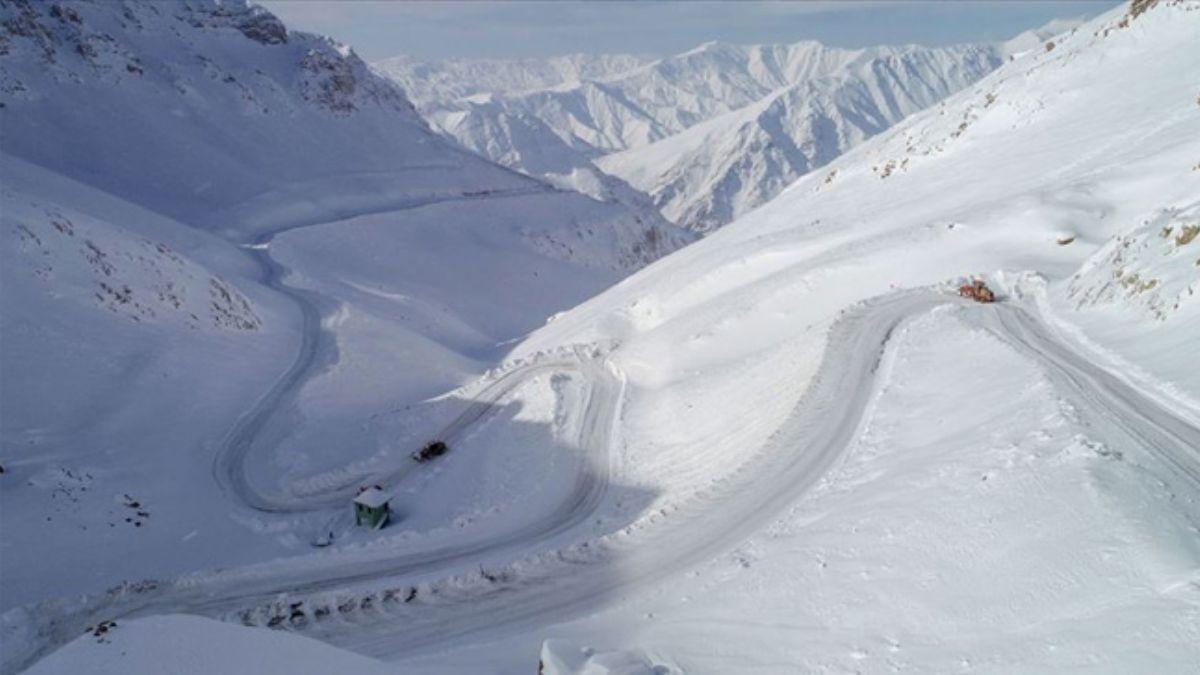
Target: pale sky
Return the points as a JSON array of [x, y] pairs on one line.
[[444, 29]]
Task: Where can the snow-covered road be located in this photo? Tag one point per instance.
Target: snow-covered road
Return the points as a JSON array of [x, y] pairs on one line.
[[318, 350], [544, 587], [1110, 403], [803, 450]]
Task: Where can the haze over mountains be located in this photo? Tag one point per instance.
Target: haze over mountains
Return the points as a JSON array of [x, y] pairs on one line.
[[708, 134]]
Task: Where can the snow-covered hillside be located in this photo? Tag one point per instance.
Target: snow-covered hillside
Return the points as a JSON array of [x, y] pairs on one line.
[[713, 172], [115, 94], [1051, 164], [755, 117], [789, 446], [1017, 491], [994, 512], [205, 214]]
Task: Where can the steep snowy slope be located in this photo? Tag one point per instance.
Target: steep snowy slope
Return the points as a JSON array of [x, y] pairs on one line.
[[265, 117], [116, 95], [114, 319], [1137, 299], [1006, 502], [791, 446], [203, 214], [715, 171]]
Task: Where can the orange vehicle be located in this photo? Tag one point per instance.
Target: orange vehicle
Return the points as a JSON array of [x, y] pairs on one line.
[[977, 291]]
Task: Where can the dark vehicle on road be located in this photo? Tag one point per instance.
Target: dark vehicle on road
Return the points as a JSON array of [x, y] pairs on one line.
[[433, 449]]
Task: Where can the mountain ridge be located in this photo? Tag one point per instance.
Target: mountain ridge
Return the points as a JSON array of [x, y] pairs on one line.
[[576, 133]]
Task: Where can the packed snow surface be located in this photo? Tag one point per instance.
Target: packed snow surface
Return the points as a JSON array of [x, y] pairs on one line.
[[213, 230], [787, 446], [189, 645]]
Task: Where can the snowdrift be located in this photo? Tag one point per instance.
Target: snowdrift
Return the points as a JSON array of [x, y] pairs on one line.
[[188, 645]]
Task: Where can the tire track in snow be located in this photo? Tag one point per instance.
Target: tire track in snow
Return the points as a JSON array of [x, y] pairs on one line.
[[809, 442], [1113, 405], [317, 351], [57, 622]]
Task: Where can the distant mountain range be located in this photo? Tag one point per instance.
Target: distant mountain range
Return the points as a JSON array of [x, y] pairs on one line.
[[705, 135]]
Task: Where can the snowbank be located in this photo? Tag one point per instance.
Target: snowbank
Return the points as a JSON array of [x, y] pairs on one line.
[[190, 645]]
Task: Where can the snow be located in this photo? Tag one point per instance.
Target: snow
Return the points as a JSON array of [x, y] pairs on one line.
[[986, 516], [151, 218], [372, 498], [193, 645], [463, 78], [1137, 294], [715, 171], [787, 446], [89, 380], [982, 536], [560, 657], [706, 135]]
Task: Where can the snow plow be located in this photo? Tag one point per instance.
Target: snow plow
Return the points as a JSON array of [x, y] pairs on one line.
[[431, 450], [977, 291]]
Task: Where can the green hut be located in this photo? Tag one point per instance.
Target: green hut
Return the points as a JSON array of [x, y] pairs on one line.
[[371, 507]]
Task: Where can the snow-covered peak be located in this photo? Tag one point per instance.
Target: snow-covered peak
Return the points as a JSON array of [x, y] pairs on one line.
[[571, 126], [719, 169], [428, 81]]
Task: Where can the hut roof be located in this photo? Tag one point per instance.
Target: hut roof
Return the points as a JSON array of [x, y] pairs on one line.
[[372, 498]]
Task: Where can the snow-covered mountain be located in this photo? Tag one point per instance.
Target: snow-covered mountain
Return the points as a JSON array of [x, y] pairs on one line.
[[789, 446], [451, 79], [708, 134], [1000, 504], [204, 212], [713, 172], [263, 116]]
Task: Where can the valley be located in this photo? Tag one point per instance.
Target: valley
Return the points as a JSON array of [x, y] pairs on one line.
[[688, 326]]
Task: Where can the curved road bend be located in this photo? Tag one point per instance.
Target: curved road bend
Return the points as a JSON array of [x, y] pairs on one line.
[[810, 441], [813, 437], [317, 351]]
